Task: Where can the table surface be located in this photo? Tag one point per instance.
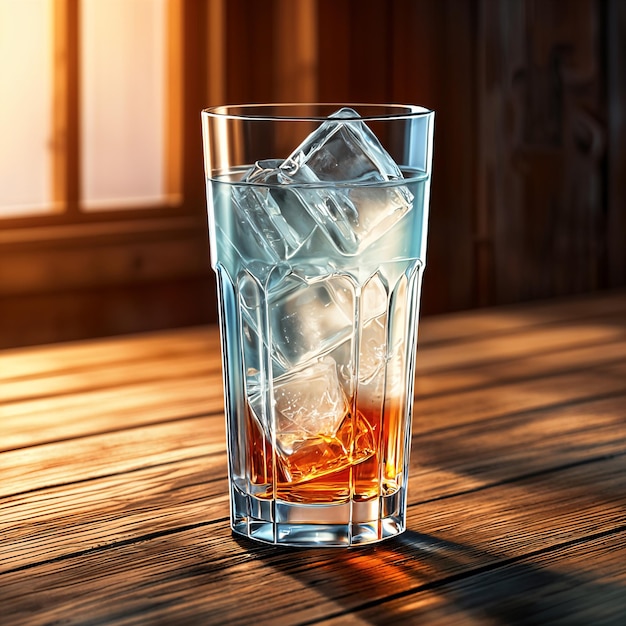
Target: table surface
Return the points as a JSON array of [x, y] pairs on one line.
[[114, 505]]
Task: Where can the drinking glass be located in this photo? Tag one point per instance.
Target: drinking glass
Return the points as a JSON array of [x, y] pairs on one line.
[[318, 221]]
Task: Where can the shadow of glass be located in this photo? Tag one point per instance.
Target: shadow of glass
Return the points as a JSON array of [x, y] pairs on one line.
[[418, 578]]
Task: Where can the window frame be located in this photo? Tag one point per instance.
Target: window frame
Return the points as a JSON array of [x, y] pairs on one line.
[[66, 121]]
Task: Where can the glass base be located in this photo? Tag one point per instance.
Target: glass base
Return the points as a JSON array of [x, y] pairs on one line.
[[317, 525]]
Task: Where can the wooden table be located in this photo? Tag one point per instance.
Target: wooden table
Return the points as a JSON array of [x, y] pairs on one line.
[[113, 493]]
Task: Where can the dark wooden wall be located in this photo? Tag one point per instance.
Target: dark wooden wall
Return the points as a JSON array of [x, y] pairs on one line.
[[548, 140]]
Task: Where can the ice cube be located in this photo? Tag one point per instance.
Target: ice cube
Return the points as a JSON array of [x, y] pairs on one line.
[[309, 403], [365, 202], [310, 317], [342, 151], [314, 432], [274, 213], [354, 442]]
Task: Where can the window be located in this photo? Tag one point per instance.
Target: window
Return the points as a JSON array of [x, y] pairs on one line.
[[89, 112], [102, 202]]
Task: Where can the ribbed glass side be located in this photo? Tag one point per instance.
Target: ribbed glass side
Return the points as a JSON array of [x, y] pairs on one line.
[[338, 477], [318, 312]]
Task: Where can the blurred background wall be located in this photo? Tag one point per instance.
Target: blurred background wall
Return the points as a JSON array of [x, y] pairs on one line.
[[529, 186]]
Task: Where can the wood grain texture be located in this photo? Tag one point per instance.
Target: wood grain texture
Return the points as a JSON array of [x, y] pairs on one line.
[[113, 486], [544, 146], [615, 21]]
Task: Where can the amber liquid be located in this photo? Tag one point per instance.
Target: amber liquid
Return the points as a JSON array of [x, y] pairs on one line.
[[362, 460]]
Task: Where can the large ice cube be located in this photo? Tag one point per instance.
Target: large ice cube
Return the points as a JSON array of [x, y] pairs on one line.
[[310, 317], [340, 178], [364, 202], [315, 434], [309, 403], [273, 212], [341, 151]]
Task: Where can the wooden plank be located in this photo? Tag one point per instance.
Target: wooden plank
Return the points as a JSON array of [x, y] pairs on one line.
[[175, 363], [577, 585], [503, 319], [436, 381], [79, 382], [415, 69], [477, 325], [451, 280], [215, 51], [520, 437], [25, 423], [249, 54], [157, 400], [333, 50], [114, 453], [494, 347], [58, 359], [162, 255], [369, 50], [295, 61], [183, 573], [476, 405], [523, 443], [87, 366], [194, 66], [475, 456], [107, 280], [130, 503]]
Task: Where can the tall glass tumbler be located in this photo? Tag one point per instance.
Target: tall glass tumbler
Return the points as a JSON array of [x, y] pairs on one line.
[[318, 220]]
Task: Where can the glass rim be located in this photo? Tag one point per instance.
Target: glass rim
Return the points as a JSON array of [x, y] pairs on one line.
[[240, 111]]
